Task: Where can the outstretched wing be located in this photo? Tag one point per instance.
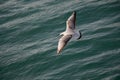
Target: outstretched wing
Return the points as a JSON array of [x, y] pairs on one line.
[[62, 42], [71, 21]]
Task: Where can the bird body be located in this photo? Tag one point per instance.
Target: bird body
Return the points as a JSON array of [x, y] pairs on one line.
[[69, 33]]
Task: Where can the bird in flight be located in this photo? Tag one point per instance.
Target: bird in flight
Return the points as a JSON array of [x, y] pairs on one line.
[[69, 33]]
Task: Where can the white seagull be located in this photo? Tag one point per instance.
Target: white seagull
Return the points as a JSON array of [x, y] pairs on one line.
[[69, 33]]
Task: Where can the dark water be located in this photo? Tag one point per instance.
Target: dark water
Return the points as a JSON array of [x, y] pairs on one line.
[[29, 32]]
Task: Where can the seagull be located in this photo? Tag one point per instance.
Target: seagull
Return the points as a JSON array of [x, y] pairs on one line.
[[69, 33]]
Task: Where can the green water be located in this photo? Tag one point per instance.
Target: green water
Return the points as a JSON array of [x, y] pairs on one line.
[[29, 34]]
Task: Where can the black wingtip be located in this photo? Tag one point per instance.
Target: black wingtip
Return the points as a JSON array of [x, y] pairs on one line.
[[74, 12], [79, 36]]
